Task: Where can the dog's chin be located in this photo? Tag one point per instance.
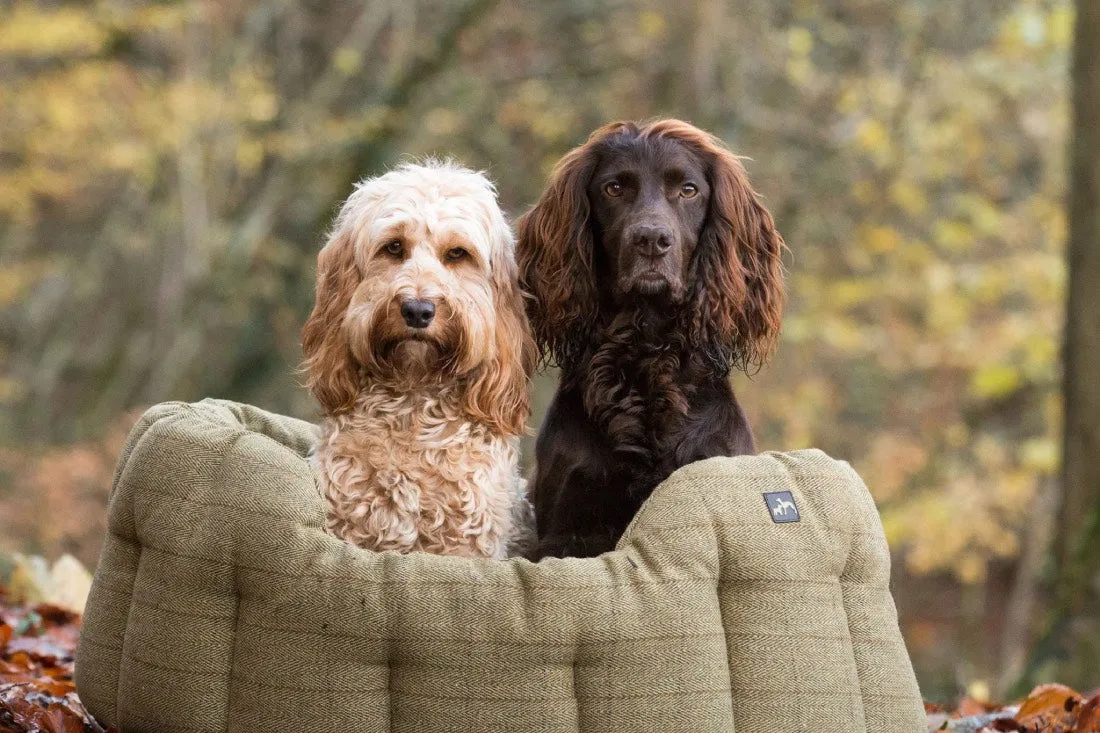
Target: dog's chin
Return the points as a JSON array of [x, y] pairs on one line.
[[651, 287], [413, 358], [415, 350]]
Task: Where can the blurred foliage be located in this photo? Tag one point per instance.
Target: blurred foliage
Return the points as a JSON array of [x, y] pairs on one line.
[[167, 171]]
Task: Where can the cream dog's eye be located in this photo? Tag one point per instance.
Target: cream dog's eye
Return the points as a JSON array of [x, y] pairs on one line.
[[689, 190], [454, 254], [393, 248]]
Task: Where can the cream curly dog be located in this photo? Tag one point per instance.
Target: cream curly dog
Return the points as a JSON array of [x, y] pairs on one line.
[[420, 354]]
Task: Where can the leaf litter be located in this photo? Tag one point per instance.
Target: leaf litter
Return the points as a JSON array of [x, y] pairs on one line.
[[37, 655], [1050, 708]]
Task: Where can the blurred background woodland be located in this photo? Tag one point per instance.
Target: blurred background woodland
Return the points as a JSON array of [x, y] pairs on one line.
[[168, 170]]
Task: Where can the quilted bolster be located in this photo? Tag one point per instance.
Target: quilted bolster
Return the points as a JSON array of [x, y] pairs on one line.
[[219, 604]]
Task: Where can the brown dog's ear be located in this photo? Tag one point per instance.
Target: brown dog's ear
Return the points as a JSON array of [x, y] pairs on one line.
[[738, 271], [555, 251], [331, 372], [500, 392]]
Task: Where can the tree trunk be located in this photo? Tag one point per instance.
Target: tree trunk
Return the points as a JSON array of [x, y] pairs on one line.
[[1074, 635]]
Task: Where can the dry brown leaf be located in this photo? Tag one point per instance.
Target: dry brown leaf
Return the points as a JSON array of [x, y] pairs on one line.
[[1050, 709], [1088, 716], [37, 694]]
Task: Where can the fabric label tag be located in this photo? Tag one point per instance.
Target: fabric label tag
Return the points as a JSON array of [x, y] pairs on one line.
[[781, 507]]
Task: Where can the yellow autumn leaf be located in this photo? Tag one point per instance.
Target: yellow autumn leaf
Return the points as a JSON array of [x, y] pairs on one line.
[[10, 389], [652, 24], [163, 17], [970, 568], [984, 215], [872, 135], [848, 101], [909, 197], [995, 380], [1041, 454], [347, 60], [881, 239], [952, 235], [263, 106], [799, 69], [250, 155], [38, 33], [800, 41], [1061, 26], [846, 293]]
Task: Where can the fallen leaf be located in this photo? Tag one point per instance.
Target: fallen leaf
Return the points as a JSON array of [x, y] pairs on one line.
[[1049, 709], [37, 649], [1088, 716], [70, 583]]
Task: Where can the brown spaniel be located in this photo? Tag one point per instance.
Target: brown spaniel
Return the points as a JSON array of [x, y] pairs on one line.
[[655, 271]]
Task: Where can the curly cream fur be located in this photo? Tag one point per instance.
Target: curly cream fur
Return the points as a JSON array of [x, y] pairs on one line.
[[420, 437], [411, 472]]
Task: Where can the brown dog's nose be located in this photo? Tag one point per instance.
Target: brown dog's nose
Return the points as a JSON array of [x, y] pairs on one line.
[[417, 313], [652, 241]]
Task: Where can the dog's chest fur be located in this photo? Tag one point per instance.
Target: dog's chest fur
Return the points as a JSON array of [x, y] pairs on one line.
[[408, 471]]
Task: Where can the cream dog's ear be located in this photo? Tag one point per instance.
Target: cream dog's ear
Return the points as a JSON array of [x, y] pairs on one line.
[[331, 370], [500, 394]]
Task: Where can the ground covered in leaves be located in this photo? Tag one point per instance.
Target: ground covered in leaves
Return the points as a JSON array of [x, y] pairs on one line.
[[1048, 709], [37, 695], [37, 650]]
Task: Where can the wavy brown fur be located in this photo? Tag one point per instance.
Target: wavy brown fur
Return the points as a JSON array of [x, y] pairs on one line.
[[644, 390]]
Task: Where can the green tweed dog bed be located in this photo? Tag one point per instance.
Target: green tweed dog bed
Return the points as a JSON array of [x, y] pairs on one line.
[[220, 604]]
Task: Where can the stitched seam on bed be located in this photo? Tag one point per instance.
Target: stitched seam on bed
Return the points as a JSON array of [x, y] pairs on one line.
[[701, 500], [409, 584], [431, 696], [772, 692], [236, 608]]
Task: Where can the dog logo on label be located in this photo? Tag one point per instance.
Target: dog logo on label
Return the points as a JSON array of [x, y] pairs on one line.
[[782, 507]]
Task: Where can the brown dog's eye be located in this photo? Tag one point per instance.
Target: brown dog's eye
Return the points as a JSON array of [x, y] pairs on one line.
[[689, 190], [456, 253], [613, 189], [393, 248]]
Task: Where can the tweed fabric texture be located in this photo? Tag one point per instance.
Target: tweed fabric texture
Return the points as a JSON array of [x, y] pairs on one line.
[[220, 604]]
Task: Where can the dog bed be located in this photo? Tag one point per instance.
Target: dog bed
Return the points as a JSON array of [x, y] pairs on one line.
[[750, 594]]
